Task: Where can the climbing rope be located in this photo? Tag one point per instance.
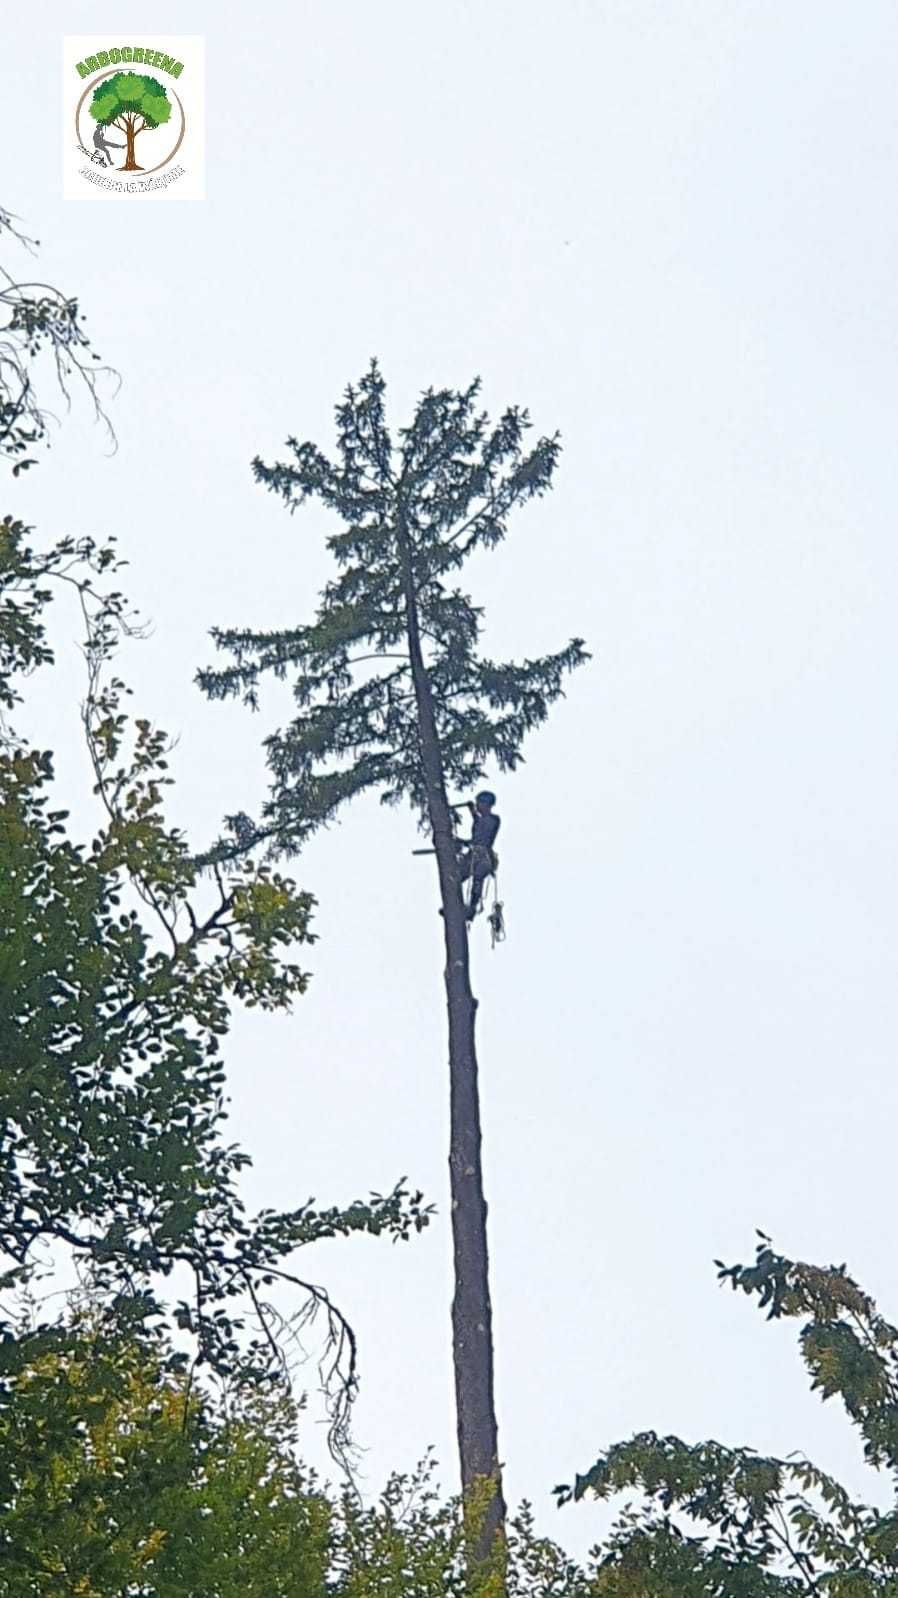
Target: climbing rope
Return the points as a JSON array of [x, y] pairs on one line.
[[496, 917]]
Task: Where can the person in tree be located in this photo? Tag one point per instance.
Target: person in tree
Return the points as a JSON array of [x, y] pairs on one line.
[[478, 859], [102, 145]]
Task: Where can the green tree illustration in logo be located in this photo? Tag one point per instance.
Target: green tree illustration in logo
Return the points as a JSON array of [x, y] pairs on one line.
[[130, 102]]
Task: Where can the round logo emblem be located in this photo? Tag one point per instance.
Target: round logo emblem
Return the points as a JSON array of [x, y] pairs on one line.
[[130, 121]]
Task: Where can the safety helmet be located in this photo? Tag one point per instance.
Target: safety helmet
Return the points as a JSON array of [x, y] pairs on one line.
[[485, 798]]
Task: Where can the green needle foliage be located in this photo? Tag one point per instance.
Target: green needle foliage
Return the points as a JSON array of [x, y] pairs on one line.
[[119, 970], [709, 1521], [415, 508]]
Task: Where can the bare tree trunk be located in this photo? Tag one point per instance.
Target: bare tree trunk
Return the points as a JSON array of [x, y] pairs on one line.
[[472, 1326]]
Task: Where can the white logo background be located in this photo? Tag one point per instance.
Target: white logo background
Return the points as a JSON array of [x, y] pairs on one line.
[[171, 156]]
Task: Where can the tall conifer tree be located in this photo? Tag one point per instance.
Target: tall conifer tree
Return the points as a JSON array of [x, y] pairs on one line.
[[393, 693]]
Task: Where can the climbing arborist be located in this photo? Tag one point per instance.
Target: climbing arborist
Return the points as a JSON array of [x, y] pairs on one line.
[[102, 147], [478, 857]]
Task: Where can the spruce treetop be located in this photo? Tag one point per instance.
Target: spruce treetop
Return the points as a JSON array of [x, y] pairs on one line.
[[412, 510]]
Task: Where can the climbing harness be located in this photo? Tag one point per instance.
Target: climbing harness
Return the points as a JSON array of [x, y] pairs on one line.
[[479, 864], [489, 889]]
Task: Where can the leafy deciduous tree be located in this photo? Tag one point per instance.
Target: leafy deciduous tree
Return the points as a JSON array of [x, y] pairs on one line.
[[122, 1476], [36, 318], [131, 102], [126, 1477], [111, 1083], [712, 1521]]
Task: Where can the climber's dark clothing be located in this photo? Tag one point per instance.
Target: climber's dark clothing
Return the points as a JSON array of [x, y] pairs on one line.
[[484, 828], [478, 863], [478, 858]]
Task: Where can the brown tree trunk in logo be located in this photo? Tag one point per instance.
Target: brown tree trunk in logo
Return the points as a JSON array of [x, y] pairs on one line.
[[130, 129]]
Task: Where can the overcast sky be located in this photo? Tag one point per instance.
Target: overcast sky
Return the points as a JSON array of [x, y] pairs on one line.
[[670, 230]]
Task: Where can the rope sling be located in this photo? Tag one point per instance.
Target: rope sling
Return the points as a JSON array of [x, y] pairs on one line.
[[496, 918], [489, 889]]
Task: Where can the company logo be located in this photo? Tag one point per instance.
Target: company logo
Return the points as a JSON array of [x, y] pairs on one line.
[[135, 119]]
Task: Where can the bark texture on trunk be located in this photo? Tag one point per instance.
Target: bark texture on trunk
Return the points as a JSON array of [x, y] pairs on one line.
[[472, 1327]]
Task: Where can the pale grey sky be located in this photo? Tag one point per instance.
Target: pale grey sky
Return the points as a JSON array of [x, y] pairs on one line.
[[670, 229]]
